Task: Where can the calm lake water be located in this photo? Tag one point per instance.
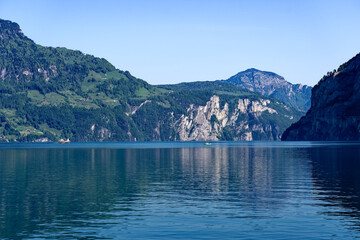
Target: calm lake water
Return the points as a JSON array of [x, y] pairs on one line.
[[229, 190]]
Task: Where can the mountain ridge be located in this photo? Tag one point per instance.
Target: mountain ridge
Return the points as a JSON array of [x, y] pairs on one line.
[[49, 93]]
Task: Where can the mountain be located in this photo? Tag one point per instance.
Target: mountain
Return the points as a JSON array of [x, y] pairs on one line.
[[335, 110], [47, 93], [272, 85], [231, 113], [50, 93]]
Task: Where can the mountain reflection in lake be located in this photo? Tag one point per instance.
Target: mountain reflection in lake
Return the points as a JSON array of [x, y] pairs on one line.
[[277, 191]]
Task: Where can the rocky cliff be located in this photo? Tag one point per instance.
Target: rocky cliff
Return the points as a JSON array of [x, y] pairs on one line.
[[273, 85], [335, 109], [211, 121]]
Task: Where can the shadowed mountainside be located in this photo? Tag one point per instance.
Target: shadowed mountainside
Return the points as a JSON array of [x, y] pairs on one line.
[[335, 110]]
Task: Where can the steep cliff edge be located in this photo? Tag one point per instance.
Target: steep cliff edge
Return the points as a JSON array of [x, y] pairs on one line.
[[205, 116], [335, 107], [213, 122]]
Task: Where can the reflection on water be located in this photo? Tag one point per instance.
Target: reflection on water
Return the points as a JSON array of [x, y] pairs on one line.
[[211, 192], [337, 175]]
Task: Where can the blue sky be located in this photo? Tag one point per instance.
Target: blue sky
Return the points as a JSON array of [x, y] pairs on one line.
[[176, 41]]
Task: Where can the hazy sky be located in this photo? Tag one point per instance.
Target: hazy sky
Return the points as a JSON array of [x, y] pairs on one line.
[[175, 41]]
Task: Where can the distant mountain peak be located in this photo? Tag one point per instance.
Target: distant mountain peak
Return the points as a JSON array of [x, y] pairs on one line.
[[258, 81], [252, 70], [258, 73], [273, 85]]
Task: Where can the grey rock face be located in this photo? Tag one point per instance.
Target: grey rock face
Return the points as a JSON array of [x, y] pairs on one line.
[[207, 123], [335, 107]]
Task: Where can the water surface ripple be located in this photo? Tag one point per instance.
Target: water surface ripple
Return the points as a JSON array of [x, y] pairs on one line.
[[229, 190]]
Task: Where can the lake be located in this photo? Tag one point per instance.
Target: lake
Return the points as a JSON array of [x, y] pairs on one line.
[[185, 190]]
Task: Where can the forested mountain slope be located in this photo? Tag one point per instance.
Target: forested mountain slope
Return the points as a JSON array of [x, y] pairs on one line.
[[50, 93]]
